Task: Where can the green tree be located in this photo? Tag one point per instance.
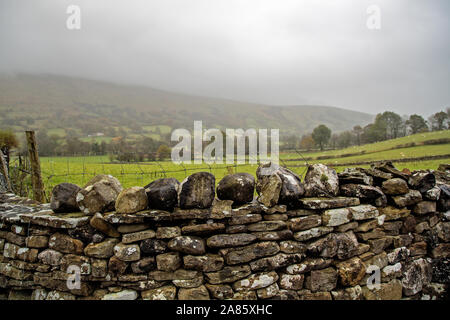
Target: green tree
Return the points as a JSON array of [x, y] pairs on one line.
[[290, 142], [417, 124], [372, 133], [448, 118], [438, 121], [321, 135], [8, 141], [344, 139], [334, 140], [47, 144], [307, 142], [163, 152], [358, 131], [391, 123]]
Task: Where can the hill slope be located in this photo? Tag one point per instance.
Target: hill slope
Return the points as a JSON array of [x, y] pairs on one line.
[[36, 101]]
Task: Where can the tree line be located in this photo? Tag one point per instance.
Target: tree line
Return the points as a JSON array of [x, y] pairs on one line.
[[118, 148], [387, 125]]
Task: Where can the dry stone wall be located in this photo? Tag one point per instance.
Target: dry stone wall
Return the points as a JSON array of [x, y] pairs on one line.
[[373, 234]]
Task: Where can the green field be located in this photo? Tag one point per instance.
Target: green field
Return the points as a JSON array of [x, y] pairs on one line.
[[80, 170]]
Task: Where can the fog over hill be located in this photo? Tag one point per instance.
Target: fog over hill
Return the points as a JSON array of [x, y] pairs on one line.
[[51, 101]]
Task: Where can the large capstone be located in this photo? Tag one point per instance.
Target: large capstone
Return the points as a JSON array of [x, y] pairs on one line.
[[197, 191], [278, 185], [268, 186], [131, 200], [64, 197], [99, 195], [237, 187], [163, 193], [291, 189], [321, 181]]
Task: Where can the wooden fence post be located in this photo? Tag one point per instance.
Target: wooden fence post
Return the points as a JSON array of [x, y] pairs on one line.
[[4, 169], [36, 179]]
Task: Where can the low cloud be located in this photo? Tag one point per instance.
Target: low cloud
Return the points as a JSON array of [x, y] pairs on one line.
[[271, 52]]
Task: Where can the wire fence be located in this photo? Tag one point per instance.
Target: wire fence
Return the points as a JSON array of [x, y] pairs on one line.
[[79, 169]]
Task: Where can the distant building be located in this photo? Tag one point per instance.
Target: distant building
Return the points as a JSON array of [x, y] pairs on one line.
[[98, 134]]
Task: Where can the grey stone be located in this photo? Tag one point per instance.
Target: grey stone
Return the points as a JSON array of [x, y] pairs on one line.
[[237, 187], [63, 198], [138, 236], [127, 252], [162, 293], [230, 240], [408, 199], [328, 203], [277, 261], [354, 176], [424, 207], [197, 191], [251, 252], [121, 295], [131, 200], [206, 263], [99, 195], [256, 281], [312, 233], [416, 275], [321, 181], [228, 274], [188, 245], [268, 186], [163, 193], [168, 232], [364, 212], [168, 261], [304, 223], [199, 293], [322, 280], [363, 192], [103, 249], [153, 246], [336, 217], [422, 181], [395, 186]]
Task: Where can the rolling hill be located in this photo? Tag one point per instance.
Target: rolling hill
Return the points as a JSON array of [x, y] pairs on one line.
[[88, 106]]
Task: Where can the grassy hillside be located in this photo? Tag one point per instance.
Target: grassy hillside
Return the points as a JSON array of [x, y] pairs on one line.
[[418, 139], [85, 106]]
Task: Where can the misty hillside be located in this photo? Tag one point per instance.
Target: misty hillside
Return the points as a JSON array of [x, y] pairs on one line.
[[87, 106]]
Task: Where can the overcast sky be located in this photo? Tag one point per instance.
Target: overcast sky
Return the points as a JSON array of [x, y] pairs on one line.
[[267, 51]]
